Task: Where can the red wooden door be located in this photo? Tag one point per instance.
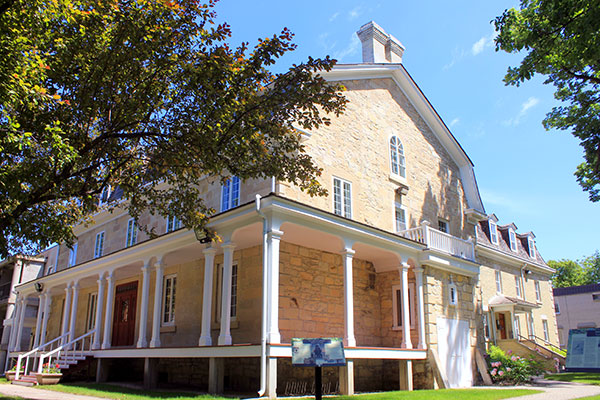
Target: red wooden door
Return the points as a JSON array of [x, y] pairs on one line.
[[501, 325], [123, 333]]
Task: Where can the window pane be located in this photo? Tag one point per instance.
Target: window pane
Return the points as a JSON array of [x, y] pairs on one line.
[[234, 270], [235, 192], [399, 307], [225, 196], [394, 155], [400, 219], [337, 196], [347, 200]]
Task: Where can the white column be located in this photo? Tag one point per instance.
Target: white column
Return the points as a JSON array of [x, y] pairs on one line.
[[99, 308], [14, 322], [273, 240], [142, 339], [38, 321], [108, 313], [420, 308], [349, 340], [406, 342], [209, 266], [66, 313], [46, 316], [225, 333], [158, 289], [75, 301], [20, 324]]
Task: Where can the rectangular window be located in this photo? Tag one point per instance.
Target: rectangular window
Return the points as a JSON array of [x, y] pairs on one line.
[[342, 197], [556, 308], [169, 284], [131, 233], [518, 286], [73, 255], [443, 225], [230, 193], [498, 282], [400, 218], [397, 319], [486, 327], [545, 328], [596, 297], [538, 292], [493, 232], [104, 195], [531, 326], [512, 238], [91, 312], [531, 245], [99, 247], [219, 291], [173, 223]]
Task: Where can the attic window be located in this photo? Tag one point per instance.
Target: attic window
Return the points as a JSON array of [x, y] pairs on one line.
[[493, 232], [512, 238], [397, 157], [531, 245], [104, 195]]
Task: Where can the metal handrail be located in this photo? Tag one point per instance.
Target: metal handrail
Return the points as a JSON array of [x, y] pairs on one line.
[[540, 345], [33, 351], [67, 347]]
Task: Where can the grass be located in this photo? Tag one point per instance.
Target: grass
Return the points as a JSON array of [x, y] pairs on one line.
[[463, 394], [124, 393], [580, 377]]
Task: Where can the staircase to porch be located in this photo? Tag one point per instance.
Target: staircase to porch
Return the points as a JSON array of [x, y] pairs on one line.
[[63, 356], [536, 348]]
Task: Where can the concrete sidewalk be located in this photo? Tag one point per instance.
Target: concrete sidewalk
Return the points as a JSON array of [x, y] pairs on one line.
[[41, 394]]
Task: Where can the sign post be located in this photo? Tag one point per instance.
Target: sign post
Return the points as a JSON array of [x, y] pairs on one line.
[[318, 353]]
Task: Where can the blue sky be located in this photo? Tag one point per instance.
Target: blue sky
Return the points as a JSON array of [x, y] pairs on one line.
[[525, 173]]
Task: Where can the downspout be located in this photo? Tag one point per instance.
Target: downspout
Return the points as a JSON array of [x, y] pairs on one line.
[[263, 328]]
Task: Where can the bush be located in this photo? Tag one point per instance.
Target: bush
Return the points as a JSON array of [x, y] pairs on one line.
[[510, 368]]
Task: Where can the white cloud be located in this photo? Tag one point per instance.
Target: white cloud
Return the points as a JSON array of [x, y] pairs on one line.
[[525, 107], [507, 201], [483, 43], [457, 55], [355, 13], [334, 16], [350, 49], [454, 122]]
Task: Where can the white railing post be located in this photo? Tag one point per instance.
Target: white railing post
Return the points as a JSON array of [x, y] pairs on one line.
[[142, 337], [108, 313], [426, 237], [74, 310], [99, 307], [158, 293], [347, 255], [209, 265]]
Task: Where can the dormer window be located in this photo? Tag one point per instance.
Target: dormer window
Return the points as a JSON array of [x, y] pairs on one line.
[[104, 195], [397, 160], [512, 238], [493, 232], [531, 245]]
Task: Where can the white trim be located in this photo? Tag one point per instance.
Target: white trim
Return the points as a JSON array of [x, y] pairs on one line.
[[452, 294], [72, 257], [131, 236], [173, 279], [531, 246], [518, 286], [411, 304], [538, 291], [230, 200], [513, 259], [498, 280], [493, 227], [398, 205], [343, 200], [512, 239], [101, 200], [92, 306], [99, 248], [399, 146]]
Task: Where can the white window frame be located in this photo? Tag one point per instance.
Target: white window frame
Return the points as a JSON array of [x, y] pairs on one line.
[[104, 195], [397, 157], [531, 245], [538, 291], [99, 244], [72, 256], [131, 237], [498, 275], [168, 304], [518, 287], [345, 197], [397, 325], [91, 311], [546, 330], [442, 221], [230, 193], [512, 239], [219, 291], [493, 232], [452, 294], [556, 308], [400, 207], [517, 327], [173, 223]]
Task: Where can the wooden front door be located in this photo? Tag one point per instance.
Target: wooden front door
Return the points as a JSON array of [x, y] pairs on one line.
[[501, 325], [123, 333]]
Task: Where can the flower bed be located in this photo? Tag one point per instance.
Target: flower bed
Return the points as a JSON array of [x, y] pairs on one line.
[[510, 368]]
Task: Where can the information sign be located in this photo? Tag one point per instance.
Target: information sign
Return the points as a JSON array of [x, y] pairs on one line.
[[583, 350], [321, 352]]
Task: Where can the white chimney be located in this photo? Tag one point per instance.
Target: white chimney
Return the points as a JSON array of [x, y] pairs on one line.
[[378, 46]]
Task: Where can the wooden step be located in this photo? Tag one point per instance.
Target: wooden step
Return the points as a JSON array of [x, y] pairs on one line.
[[27, 380]]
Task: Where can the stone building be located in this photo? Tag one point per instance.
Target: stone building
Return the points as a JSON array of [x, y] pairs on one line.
[[389, 261]]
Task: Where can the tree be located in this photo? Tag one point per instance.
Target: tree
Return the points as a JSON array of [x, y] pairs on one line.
[[591, 267], [145, 95], [568, 273], [562, 41]]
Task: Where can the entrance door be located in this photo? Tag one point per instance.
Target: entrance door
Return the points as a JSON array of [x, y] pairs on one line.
[[124, 315], [501, 325], [455, 351]]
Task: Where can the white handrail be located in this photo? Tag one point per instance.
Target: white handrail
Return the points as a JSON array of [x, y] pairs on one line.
[[68, 347], [438, 240], [33, 351]]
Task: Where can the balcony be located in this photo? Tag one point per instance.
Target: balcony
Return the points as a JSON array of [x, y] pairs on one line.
[[441, 241]]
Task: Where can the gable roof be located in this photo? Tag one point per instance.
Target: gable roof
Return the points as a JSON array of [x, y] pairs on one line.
[[411, 90]]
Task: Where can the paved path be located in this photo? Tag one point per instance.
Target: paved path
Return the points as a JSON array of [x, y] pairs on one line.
[[40, 394]]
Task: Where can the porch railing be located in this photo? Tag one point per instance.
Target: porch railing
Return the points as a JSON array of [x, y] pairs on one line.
[[441, 241], [33, 353], [74, 350], [533, 340]]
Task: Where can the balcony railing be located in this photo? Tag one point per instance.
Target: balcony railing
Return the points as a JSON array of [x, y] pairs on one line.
[[441, 241]]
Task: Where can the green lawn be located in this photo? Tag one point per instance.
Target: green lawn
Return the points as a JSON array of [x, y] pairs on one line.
[[581, 377], [462, 394]]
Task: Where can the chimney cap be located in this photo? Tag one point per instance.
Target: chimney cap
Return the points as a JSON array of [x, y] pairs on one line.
[[379, 46]]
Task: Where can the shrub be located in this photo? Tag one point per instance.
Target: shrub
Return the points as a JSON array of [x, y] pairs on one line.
[[510, 368]]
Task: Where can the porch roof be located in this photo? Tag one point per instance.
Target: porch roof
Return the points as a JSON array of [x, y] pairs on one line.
[[501, 300]]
